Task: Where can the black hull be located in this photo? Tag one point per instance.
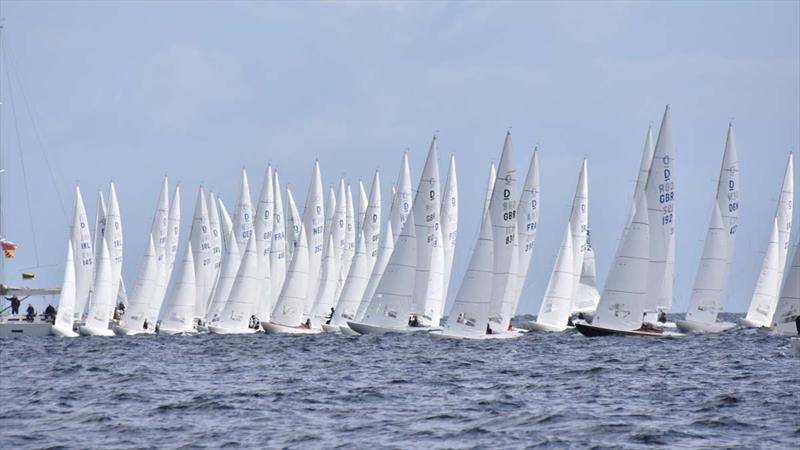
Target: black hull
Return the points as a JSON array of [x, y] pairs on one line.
[[592, 331]]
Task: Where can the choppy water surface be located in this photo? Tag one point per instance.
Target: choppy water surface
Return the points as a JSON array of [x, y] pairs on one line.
[[739, 389]]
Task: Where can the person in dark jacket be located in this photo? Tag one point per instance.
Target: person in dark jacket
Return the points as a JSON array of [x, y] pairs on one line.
[[14, 304], [31, 313]]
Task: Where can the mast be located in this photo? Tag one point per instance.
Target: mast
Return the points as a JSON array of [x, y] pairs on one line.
[[2, 161]]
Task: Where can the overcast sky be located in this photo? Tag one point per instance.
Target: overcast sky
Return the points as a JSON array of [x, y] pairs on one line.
[[130, 91]]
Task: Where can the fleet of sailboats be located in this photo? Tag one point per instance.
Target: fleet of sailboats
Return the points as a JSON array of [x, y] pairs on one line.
[[332, 269]]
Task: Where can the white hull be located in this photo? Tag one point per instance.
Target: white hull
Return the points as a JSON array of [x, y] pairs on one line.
[[542, 327], [119, 330], [362, 328], [221, 330], [169, 332], [273, 328], [445, 334], [16, 326], [89, 331], [330, 328], [690, 326], [63, 332], [749, 323]]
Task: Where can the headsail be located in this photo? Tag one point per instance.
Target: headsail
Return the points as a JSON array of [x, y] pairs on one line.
[[66, 302], [294, 295], [179, 309], [557, 302]]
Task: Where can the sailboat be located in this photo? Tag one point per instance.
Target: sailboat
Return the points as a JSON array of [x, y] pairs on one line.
[[277, 253], [201, 244], [314, 224], [237, 315], [784, 321], [708, 293], [767, 291], [101, 304], [323, 305], [66, 302], [449, 222], [288, 313], [622, 303], [135, 320], [557, 305], [384, 253], [352, 291], [389, 309], [177, 316], [84, 255], [503, 212], [555, 309], [660, 191], [427, 304], [264, 225], [159, 230]]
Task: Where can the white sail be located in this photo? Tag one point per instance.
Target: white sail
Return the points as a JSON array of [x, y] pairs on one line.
[[384, 253], [101, 306], [241, 303], [660, 191], [215, 227], [226, 224], [243, 214], [277, 255], [391, 305], [349, 236], [434, 294], [354, 287], [711, 279], [201, 245], [644, 170], [426, 208], [586, 294], [174, 229], [503, 210], [785, 215], [363, 202], [449, 220], [469, 314], [264, 225], [231, 261], [81, 238], [323, 304], [557, 302], [159, 230], [330, 212], [621, 305], [179, 310], [372, 222], [765, 295], [339, 234], [527, 223], [139, 305], [292, 299], [783, 321], [579, 224], [490, 187], [293, 225], [314, 224], [401, 200], [99, 233], [66, 301], [114, 240]]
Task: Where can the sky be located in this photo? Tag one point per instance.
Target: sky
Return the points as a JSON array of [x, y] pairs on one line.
[[130, 91]]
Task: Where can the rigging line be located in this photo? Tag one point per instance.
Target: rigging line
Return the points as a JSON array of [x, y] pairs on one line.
[[21, 158], [36, 133]]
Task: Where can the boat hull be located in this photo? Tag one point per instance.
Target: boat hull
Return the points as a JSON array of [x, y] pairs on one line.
[[169, 332], [347, 331], [446, 334], [89, 331], [543, 327], [691, 326], [331, 328], [63, 332], [274, 328], [222, 330], [749, 323], [119, 330], [362, 328], [595, 331], [19, 327]]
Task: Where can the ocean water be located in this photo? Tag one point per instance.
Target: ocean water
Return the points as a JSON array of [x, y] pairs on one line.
[[733, 390]]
